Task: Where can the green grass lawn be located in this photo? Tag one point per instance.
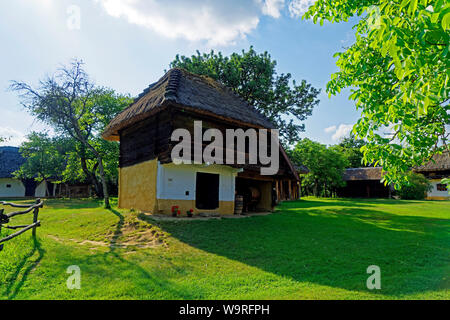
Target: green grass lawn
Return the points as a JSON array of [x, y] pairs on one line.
[[309, 249]]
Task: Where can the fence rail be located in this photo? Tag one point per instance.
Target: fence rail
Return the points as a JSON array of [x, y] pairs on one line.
[[6, 218]]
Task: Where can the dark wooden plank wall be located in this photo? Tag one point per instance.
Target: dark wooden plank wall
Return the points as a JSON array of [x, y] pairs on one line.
[[145, 140], [150, 139], [186, 120]]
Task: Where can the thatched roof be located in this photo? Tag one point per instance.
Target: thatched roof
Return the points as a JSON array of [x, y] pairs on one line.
[[197, 93], [10, 161], [358, 174], [440, 162]]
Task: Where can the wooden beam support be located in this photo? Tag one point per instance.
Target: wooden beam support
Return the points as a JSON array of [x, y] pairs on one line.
[[31, 226]]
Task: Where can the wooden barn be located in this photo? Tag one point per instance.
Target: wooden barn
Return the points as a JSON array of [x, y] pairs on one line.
[[436, 170], [150, 181], [364, 183]]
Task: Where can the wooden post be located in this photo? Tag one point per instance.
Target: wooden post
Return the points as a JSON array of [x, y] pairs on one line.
[[1, 245], [35, 216]]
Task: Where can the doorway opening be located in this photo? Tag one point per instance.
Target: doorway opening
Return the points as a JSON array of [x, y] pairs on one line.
[[207, 191], [30, 187]]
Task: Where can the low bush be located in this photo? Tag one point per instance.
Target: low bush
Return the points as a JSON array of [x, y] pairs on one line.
[[415, 188]]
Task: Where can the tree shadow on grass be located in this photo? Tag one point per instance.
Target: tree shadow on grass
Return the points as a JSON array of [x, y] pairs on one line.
[[143, 279], [342, 202], [332, 247], [318, 202], [118, 231], [23, 269]]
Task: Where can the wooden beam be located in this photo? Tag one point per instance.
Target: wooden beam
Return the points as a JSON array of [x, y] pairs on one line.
[[31, 226], [38, 205], [290, 189]]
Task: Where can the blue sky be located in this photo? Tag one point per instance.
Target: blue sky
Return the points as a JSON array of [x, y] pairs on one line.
[[127, 44]]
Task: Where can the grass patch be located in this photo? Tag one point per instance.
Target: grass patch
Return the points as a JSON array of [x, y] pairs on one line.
[[309, 249]]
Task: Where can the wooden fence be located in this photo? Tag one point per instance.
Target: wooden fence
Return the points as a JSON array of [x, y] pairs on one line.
[[6, 218]]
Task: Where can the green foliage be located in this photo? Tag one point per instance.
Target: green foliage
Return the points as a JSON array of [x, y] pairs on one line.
[[398, 70], [45, 158], [82, 163], [326, 167], [350, 147], [416, 188], [253, 76], [75, 107], [447, 182]]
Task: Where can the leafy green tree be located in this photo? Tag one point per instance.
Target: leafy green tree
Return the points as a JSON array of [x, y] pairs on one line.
[[398, 70], [45, 158], [253, 76], [447, 182], [416, 188], [71, 103], [350, 147], [326, 167], [82, 165]]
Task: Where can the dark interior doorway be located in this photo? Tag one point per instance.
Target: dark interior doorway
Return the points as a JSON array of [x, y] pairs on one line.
[[51, 187], [207, 191], [30, 187]]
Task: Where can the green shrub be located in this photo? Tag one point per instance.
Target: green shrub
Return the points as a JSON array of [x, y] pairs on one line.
[[447, 182], [415, 188]]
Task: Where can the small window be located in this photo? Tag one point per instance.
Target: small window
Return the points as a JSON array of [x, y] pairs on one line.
[[441, 187], [8, 186]]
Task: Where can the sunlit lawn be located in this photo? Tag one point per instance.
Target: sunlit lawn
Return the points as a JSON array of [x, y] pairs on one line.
[[309, 249]]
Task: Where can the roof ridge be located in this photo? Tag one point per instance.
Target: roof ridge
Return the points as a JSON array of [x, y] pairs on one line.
[[173, 83], [151, 86], [228, 90], [171, 88]]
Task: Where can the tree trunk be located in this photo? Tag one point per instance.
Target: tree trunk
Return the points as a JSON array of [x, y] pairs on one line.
[[102, 175], [105, 187], [86, 143], [315, 188], [90, 175]]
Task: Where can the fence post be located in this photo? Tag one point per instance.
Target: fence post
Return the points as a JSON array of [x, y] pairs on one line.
[[35, 217], [1, 212]]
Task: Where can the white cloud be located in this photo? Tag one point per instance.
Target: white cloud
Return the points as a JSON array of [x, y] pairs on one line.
[[216, 21], [13, 137], [342, 131], [330, 129], [273, 7], [298, 7]]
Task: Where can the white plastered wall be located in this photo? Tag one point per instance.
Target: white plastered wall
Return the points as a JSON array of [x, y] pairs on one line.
[[435, 192], [178, 182], [11, 188], [41, 190]]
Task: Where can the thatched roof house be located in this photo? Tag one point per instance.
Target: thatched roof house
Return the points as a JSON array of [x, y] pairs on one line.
[[10, 187], [360, 174], [10, 161], [150, 181], [435, 170], [364, 183], [179, 88], [439, 163]]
